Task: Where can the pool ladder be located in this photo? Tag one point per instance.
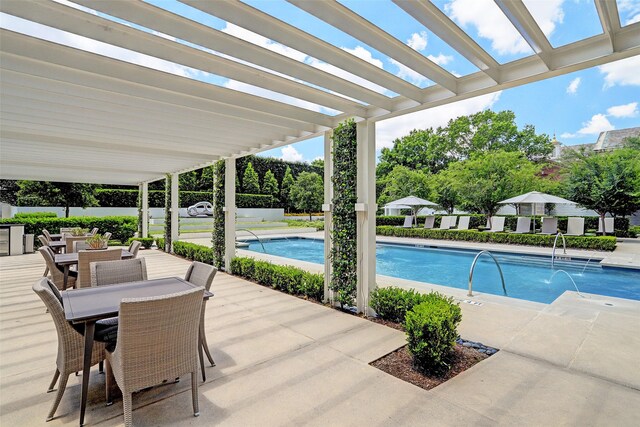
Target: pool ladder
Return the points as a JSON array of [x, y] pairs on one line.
[[555, 242], [473, 266]]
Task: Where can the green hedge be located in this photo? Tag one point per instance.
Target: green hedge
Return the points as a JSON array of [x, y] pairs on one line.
[[393, 303], [288, 279], [24, 215], [432, 331], [146, 242], [607, 243], [193, 252], [111, 198], [121, 227], [621, 225]]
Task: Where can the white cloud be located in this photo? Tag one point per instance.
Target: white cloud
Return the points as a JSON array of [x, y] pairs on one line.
[[418, 41], [490, 23], [630, 8], [573, 86], [546, 13], [622, 73], [568, 135], [626, 110], [441, 59], [390, 129], [633, 19], [598, 123], [364, 54], [290, 154]]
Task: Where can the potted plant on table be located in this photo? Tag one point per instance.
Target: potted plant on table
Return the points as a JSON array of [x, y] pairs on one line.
[[98, 242], [78, 231]]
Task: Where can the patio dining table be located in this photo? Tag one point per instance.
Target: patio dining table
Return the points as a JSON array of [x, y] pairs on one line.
[[88, 305], [67, 260]]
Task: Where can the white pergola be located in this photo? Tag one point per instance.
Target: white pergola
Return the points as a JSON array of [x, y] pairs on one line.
[[71, 115]]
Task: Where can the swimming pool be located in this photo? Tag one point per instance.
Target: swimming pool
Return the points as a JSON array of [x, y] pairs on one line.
[[527, 277]]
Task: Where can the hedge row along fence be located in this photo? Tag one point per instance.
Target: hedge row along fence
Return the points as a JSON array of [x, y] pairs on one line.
[[129, 198], [606, 243], [621, 225], [121, 227]]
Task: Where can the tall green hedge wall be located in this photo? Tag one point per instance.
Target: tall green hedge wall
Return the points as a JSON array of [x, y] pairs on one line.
[[129, 198], [262, 164]]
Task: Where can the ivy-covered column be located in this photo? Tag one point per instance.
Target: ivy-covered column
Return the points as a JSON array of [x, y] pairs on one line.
[[167, 213], [144, 202], [366, 213], [175, 208], [326, 207], [343, 231], [229, 212], [217, 238]]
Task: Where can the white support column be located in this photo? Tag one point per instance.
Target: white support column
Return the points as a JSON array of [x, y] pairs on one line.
[[175, 208], [229, 212], [326, 207], [145, 209], [366, 214]]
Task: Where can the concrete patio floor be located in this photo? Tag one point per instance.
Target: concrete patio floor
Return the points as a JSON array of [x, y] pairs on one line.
[[285, 361]]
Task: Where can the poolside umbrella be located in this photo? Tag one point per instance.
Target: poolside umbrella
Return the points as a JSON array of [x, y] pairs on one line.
[[534, 197], [411, 202]]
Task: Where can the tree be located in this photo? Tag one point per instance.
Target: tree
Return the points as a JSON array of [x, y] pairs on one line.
[[270, 184], [318, 165], [402, 182], [250, 180], [433, 150], [307, 193], [67, 194], [608, 183], [285, 188], [487, 178], [9, 191], [444, 191]]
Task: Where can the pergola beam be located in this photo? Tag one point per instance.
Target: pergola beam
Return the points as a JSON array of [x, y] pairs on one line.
[[177, 26], [609, 19], [437, 22], [351, 23], [261, 23]]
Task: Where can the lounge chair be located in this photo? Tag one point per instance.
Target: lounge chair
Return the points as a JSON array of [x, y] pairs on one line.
[[452, 221], [608, 226], [549, 225], [408, 221], [523, 225], [444, 222], [497, 224], [575, 226], [429, 221], [463, 224]]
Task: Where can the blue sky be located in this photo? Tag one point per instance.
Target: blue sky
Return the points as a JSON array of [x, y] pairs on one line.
[[576, 107]]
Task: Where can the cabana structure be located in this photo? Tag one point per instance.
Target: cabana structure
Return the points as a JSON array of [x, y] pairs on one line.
[[69, 114]]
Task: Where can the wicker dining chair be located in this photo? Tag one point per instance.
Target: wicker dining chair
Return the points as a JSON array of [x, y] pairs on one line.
[[57, 274], [80, 245], [70, 344], [46, 234], [87, 257], [121, 271], [44, 243], [70, 240], [93, 231], [202, 275], [134, 247], [157, 339], [107, 236]]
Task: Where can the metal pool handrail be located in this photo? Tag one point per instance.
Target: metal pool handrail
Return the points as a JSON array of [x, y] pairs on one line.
[[255, 235], [564, 245], [473, 266]]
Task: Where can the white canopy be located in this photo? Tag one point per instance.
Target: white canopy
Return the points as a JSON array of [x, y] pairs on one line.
[[410, 202], [533, 197], [72, 114]]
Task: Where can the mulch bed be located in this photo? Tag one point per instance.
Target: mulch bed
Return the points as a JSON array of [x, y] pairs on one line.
[[400, 363]]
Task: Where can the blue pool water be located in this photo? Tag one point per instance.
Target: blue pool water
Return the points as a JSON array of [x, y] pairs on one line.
[[526, 277]]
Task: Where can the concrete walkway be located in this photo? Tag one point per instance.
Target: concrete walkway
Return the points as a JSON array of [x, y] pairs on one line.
[[285, 361]]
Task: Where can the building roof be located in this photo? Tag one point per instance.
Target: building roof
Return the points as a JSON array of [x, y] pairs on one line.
[[70, 114], [612, 139]]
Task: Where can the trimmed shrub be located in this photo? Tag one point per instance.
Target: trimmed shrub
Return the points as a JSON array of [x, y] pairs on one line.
[[600, 243], [121, 227], [24, 215], [110, 198], [285, 278], [160, 243], [432, 331], [193, 252], [393, 303], [146, 242]]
